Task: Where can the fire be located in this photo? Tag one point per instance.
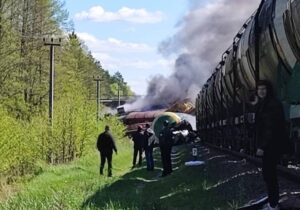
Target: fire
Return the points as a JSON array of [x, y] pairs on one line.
[[184, 106]]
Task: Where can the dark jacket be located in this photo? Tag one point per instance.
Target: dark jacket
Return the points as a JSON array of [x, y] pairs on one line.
[[147, 135], [271, 130], [106, 143], [138, 139], [166, 137]]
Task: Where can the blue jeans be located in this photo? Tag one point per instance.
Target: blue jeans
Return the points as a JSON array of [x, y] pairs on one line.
[[149, 158]]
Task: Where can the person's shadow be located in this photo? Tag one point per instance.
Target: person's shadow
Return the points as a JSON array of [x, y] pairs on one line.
[[113, 196], [131, 185]]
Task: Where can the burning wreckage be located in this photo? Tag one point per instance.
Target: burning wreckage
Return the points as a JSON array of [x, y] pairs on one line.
[[180, 115]]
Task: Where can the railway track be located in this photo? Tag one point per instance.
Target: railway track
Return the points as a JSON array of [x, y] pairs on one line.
[[242, 174], [290, 172]]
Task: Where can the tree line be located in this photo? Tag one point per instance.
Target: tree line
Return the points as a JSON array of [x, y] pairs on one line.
[[26, 136]]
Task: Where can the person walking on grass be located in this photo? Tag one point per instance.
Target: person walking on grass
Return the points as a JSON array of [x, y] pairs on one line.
[[106, 145], [148, 147], [137, 139], [165, 144]]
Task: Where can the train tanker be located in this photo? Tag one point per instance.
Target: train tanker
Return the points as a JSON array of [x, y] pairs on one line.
[[266, 47], [180, 115], [184, 110]]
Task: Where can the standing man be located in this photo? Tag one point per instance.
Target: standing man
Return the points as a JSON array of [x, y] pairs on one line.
[[138, 140], [165, 144], [106, 145], [272, 137], [148, 147]]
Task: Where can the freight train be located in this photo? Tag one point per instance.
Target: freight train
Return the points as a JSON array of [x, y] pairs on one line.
[[266, 47]]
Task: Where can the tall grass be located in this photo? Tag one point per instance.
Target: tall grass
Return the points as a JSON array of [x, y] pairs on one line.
[[79, 186], [67, 186]]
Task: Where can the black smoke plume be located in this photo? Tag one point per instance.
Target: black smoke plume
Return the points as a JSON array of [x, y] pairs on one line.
[[204, 33]]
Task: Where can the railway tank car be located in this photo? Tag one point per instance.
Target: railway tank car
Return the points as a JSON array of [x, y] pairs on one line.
[[266, 47]]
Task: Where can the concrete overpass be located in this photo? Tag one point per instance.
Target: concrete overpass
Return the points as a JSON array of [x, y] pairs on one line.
[[115, 102]]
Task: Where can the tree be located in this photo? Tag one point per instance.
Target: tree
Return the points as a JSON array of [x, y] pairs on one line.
[[24, 86]]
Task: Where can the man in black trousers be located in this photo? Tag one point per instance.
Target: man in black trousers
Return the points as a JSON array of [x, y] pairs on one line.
[[165, 144], [106, 145], [138, 140], [272, 137]]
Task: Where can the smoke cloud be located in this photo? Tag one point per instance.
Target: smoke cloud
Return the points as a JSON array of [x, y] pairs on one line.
[[205, 32]]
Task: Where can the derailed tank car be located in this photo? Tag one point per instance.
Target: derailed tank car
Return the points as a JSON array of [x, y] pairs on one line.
[[266, 47], [135, 119], [182, 126]]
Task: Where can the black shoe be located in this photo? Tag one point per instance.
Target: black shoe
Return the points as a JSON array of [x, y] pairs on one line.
[[163, 174]]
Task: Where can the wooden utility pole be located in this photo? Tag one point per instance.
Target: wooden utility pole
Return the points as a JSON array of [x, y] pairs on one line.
[[97, 79], [119, 101], [51, 42], [1, 18]]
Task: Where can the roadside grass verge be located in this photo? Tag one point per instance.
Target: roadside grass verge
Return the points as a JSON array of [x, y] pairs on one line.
[[78, 185]]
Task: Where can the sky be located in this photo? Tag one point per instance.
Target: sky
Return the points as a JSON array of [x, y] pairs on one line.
[[165, 50], [125, 35]]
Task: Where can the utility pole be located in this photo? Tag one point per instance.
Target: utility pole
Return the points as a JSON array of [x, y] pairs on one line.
[[119, 93], [1, 17], [97, 79], [51, 42]]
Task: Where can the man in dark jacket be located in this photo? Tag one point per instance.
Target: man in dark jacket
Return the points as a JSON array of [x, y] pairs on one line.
[[165, 144], [271, 137], [106, 145], [138, 140], [148, 147]]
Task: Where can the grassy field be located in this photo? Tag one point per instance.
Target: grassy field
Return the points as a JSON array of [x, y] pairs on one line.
[[79, 186]]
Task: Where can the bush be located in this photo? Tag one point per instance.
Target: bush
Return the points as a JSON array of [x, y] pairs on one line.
[[23, 144], [17, 150]]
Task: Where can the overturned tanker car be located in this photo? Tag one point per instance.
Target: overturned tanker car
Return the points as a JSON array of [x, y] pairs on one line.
[[180, 114]]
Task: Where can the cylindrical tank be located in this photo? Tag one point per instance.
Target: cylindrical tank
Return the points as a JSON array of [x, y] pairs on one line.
[[279, 59], [174, 120], [135, 119], [158, 122]]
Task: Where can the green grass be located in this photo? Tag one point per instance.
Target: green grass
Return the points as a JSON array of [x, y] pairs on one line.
[[79, 186]]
